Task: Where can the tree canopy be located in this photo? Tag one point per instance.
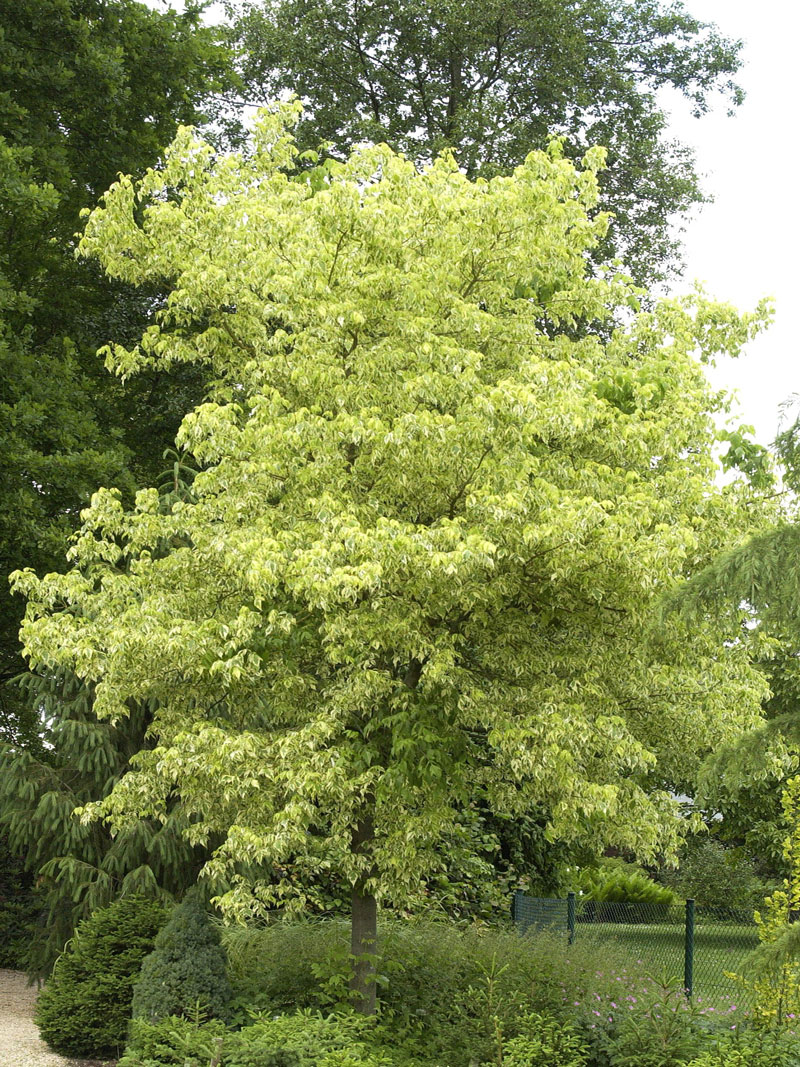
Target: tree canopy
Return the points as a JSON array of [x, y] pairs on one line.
[[435, 511], [493, 80]]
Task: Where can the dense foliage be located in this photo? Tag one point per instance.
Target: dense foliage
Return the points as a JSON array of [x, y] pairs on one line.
[[85, 1008], [716, 876], [621, 883], [494, 81], [456, 998], [444, 990], [185, 972], [20, 908]]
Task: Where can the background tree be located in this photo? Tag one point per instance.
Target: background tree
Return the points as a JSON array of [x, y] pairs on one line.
[[493, 80], [86, 90], [80, 868], [419, 563]]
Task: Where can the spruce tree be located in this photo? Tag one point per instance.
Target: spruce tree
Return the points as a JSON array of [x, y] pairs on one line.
[[79, 868], [186, 971]]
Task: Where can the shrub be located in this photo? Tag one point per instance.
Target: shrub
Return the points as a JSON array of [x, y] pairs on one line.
[[715, 876], [306, 1039], [300, 1039], [85, 1007], [769, 1048], [664, 1031], [174, 1042], [543, 1042], [614, 890], [186, 970], [443, 990]]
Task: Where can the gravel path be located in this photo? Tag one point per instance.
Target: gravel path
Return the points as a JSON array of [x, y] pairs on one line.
[[20, 1044]]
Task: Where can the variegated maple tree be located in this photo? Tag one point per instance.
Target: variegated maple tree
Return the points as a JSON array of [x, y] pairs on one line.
[[445, 476]]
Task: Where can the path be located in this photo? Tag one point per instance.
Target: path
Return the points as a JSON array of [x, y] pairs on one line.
[[20, 1044]]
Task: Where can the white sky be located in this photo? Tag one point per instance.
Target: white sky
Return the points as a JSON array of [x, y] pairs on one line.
[[747, 243]]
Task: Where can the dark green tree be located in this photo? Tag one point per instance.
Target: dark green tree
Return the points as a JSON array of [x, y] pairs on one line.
[[80, 868], [493, 80], [85, 1008], [87, 89], [186, 969]]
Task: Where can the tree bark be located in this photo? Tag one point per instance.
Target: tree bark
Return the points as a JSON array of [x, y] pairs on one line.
[[363, 927]]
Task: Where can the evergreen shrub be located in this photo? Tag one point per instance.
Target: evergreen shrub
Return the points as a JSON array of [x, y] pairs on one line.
[[174, 1042], [752, 1048], [543, 1042], [306, 1039], [85, 1007], [186, 971], [299, 1039]]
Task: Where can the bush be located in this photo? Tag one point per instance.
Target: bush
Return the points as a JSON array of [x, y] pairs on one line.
[[307, 1040], [752, 1049], [544, 1042], [186, 970], [715, 876], [174, 1042], [622, 893], [443, 990], [85, 1007], [664, 1031], [301, 1039]]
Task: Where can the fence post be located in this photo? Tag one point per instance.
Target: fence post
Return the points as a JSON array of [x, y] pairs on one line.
[[571, 917], [516, 901], [688, 952]]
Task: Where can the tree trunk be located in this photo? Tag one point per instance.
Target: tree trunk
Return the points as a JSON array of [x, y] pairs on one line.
[[363, 928], [364, 912]]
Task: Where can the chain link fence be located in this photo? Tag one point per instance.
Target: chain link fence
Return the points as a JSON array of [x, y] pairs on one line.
[[697, 946]]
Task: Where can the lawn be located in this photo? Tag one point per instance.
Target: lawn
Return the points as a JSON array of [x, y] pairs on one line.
[[718, 947]]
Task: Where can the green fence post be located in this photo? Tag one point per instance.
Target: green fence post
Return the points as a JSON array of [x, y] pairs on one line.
[[516, 902], [571, 917], [688, 952]]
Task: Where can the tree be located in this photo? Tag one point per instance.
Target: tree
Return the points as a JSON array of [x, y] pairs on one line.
[[85, 1009], [79, 869], [493, 80], [86, 90], [433, 517], [186, 971]]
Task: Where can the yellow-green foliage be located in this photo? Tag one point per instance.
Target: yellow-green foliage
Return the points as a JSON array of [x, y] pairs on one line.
[[622, 884], [446, 475], [774, 974]]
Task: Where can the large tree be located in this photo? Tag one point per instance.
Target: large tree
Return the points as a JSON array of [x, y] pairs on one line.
[[87, 89], [493, 80], [420, 562]]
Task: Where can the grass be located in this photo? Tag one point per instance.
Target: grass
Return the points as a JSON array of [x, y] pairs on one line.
[[658, 948]]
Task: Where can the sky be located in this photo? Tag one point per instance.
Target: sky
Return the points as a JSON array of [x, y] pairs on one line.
[[747, 243]]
